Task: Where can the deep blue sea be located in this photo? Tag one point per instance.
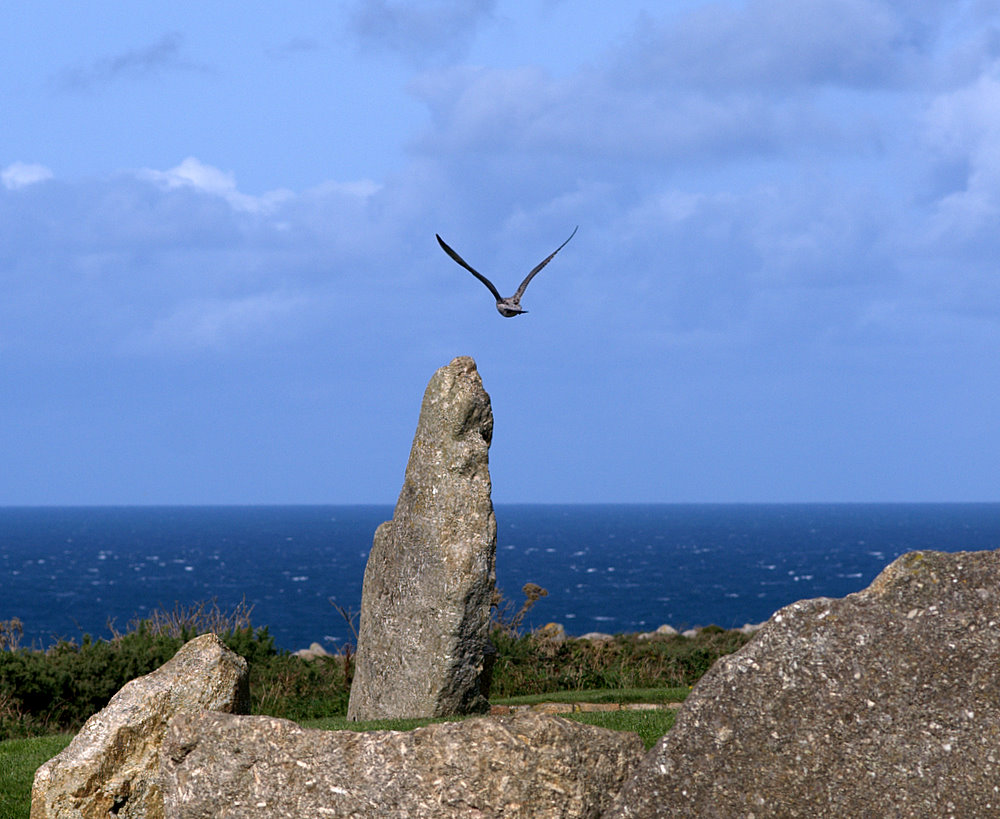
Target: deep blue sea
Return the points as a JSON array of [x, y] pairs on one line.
[[611, 568]]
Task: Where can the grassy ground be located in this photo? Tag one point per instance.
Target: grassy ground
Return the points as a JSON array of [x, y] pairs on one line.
[[649, 725], [19, 758], [620, 695]]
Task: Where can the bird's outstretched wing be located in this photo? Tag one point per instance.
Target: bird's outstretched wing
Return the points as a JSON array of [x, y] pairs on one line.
[[520, 291], [468, 267]]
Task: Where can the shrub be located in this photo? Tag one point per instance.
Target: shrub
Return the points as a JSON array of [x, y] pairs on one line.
[[58, 689], [507, 619], [534, 664], [11, 632], [289, 687], [528, 664]]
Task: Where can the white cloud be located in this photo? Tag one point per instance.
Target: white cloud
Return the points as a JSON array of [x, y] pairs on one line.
[[21, 174], [963, 127], [192, 173], [180, 261], [685, 90], [721, 83]]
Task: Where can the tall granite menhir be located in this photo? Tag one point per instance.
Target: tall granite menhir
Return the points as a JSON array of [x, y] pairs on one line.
[[425, 604]]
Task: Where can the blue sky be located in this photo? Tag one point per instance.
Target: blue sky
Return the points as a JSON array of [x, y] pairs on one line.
[[221, 283]]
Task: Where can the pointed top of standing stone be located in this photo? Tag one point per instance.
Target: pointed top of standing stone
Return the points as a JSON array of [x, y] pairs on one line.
[[456, 404]]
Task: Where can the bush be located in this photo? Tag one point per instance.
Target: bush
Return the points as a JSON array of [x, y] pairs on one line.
[[529, 664], [535, 664], [289, 687], [58, 689]]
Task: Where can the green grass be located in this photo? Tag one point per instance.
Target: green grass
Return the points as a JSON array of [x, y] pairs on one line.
[[649, 725], [619, 695], [19, 758]]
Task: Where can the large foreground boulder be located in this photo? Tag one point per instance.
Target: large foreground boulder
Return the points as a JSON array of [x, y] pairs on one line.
[[425, 604], [111, 768], [216, 766], [885, 703]]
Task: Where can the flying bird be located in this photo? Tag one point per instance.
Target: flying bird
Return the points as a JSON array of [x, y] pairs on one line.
[[511, 306]]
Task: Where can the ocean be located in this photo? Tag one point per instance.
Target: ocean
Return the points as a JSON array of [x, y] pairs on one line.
[[611, 568]]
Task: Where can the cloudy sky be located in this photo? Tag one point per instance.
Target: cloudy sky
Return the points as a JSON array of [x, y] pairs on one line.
[[221, 283]]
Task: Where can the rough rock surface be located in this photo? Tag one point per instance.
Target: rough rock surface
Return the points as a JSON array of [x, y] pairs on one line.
[[883, 703], [425, 604], [314, 652], [216, 766], [662, 631], [551, 633], [111, 768]]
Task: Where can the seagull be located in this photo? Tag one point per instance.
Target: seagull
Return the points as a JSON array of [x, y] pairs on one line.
[[511, 306]]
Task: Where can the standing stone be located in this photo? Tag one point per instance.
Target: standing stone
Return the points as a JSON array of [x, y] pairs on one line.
[[111, 768], [218, 766], [883, 703], [425, 605]]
